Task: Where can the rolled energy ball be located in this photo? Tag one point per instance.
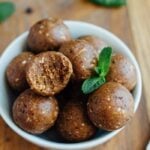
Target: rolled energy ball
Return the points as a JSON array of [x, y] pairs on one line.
[[111, 106], [97, 42], [49, 73], [48, 34], [73, 123], [34, 113], [82, 56], [16, 71], [122, 71]]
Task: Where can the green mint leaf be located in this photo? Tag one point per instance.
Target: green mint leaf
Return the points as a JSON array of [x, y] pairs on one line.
[[97, 70], [6, 10], [110, 3], [91, 84], [104, 61]]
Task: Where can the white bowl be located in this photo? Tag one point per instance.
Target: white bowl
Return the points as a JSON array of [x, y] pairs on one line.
[[6, 96]]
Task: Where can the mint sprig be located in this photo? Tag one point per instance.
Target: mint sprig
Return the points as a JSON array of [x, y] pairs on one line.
[[92, 84], [6, 10], [101, 70], [110, 3], [104, 61]]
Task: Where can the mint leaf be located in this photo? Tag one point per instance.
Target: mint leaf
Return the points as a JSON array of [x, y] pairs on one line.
[[110, 3], [91, 84], [6, 10], [97, 70], [104, 61]]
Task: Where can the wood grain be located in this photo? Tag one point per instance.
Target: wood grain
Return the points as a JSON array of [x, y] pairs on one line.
[[130, 23], [140, 25]]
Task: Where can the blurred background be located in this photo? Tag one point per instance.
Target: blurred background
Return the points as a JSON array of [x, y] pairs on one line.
[[129, 22]]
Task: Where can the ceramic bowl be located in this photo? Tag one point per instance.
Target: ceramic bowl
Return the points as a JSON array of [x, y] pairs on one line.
[[49, 139]]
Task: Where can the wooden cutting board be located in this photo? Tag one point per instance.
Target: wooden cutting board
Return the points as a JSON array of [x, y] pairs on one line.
[[131, 24]]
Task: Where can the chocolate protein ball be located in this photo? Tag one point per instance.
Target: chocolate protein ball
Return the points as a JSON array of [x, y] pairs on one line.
[[73, 123], [34, 113], [111, 106], [48, 34], [83, 57], [122, 71], [49, 73], [98, 43], [15, 72]]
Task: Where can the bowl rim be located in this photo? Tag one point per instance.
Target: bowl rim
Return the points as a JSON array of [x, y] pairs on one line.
[[85, 144]]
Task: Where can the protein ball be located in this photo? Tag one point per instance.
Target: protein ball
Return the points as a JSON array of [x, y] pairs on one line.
[[73, 123], [111, 106], [83, 57], [15, 72], [49, 73], [97, 42], [34, 113], [48, 34], [122, 71]]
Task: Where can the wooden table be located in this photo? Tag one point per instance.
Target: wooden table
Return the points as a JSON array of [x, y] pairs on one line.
[[131, 24]]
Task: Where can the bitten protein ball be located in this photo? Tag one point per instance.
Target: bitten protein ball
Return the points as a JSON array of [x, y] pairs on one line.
[[16, 71], [48, 34], [83, 57], [111, 106], [122, 71], [49, 73], [33, 113], [98, 43], [73, 123]]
